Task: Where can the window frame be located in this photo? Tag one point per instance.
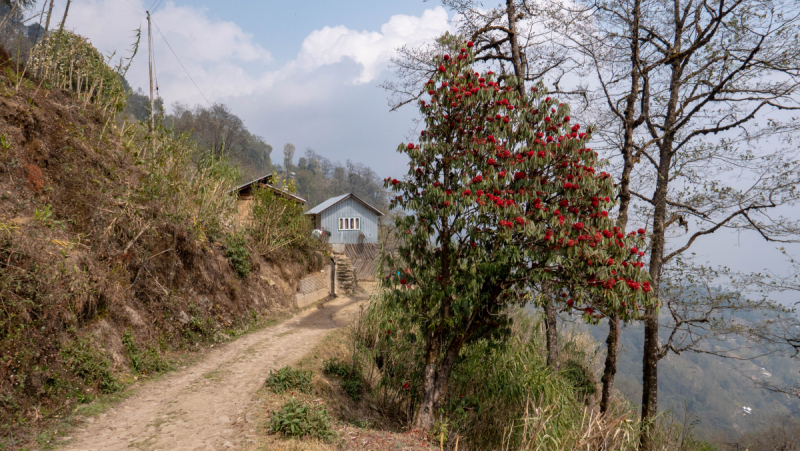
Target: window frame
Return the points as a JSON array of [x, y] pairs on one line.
[[350, 223]]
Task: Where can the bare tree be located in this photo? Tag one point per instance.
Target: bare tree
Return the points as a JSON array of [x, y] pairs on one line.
[[512, 38], [216, 128], [288, 156], [686, 85]]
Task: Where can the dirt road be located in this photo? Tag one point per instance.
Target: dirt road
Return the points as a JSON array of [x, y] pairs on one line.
[[209, 405]]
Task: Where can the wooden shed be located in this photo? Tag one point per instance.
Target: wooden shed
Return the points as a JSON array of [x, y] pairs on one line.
[[347, 219], [244, 194]]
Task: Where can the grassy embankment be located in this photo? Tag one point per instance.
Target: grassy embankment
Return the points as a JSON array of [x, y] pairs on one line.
[[119, 250]]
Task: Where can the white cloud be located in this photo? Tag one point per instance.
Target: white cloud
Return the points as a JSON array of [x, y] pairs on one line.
[[320, 98], [371, 50], [226, 62]]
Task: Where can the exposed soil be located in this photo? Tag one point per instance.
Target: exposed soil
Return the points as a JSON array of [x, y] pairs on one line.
[[210, 405], [92, 252]]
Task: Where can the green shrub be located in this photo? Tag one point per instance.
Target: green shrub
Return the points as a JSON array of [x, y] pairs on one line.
[[349, 372], [89, 363], [353, 387], [298, 419], [144, 362], [337, 367], [580, 377], [237, 252], [288, 378]]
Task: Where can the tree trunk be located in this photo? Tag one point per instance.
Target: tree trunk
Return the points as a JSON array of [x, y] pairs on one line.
[[610, 369], [629, 125], [49, 14], [550, 325], [516, 56], [424, 418], [435, 382], [651, 349], [61, 34]]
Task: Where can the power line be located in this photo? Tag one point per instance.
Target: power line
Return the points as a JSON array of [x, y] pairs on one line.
[[134, 9], [181, 63], [157, 6]]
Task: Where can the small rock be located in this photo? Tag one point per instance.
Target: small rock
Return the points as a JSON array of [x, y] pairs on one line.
[[184, 318]]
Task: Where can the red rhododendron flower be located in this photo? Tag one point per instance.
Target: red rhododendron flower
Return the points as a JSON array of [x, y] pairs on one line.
[[410, 146], [403, 281], [441, 68], [446, 57], [470, 44], [641, 231], [395, 181]]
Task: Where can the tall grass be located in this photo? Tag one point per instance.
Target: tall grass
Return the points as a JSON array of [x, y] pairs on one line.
[[278, 223], [502, 396], [191, 185]]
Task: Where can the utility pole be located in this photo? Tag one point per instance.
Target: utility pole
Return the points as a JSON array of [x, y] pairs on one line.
[[152, 103]]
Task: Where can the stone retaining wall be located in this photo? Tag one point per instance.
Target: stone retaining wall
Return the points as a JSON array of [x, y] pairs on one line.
[[313, 287]]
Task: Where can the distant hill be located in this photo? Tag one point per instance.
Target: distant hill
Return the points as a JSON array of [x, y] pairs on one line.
[[713, 389]]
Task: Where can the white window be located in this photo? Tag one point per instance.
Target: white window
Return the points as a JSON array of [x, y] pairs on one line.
[[349, 223]]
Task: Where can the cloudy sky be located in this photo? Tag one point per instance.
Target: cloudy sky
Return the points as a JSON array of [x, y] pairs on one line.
[[301, 72], [307, 72]]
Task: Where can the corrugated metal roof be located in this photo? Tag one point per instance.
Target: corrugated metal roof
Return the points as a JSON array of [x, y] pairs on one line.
[[273, 187], [335, 200], [239, 188]]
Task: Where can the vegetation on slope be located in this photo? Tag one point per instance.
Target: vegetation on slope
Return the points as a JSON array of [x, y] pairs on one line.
[[113, 250], [503, 397]]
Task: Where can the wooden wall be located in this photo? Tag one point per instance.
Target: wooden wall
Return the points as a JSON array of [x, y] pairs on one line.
[[350, 208]]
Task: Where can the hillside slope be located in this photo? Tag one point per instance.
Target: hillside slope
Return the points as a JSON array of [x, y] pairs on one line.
[[107, 256], [712, 389]]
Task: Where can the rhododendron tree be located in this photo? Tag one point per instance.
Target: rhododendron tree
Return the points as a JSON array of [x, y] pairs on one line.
[[504, 195]]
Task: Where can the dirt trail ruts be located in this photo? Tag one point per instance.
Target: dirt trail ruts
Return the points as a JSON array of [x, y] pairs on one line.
[[209, 405]]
